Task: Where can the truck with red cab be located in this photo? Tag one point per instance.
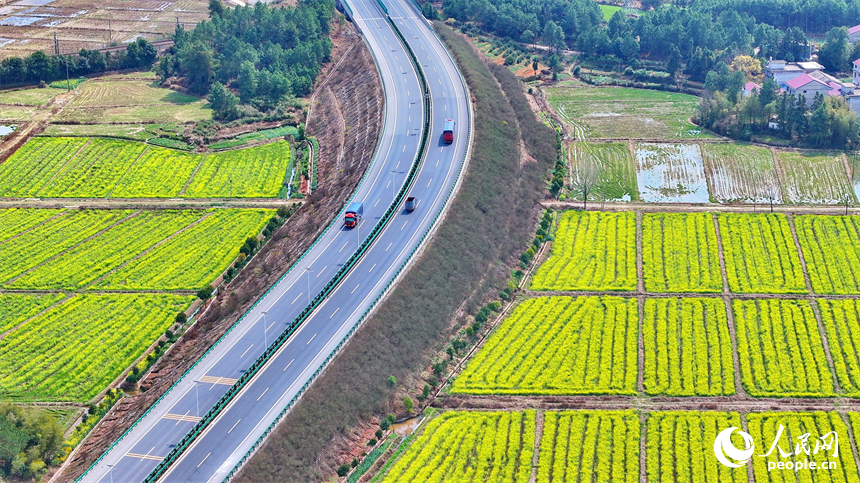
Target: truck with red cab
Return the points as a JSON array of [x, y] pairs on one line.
[[353, 214], [448, 132]]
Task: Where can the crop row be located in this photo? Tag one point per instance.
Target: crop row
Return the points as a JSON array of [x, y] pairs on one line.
[[603, 446], [111, 249], [78, 347], [559, 345], [470, 447], [592, 251], [16, 220], [589, 345], [98, 168], [17, 308], [680, 253]]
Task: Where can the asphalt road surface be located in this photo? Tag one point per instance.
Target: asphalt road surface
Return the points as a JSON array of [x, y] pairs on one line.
[[231, 435]]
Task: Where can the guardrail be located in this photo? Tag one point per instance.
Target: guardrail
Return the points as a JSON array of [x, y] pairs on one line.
[[252, 371], [371, 307]]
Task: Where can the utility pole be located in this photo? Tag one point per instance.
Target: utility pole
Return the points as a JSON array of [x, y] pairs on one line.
[[56, 45]]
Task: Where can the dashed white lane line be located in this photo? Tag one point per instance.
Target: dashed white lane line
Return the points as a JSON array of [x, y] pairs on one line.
[[356, 288], [204, 459], [297, 297], [246, 351], [264, 393], [377, 202], [288, 365], [371, 268], [234, 426], [321, 271], [404, 225], [344, 246], [312, 338], [428, 183], [389, 246]]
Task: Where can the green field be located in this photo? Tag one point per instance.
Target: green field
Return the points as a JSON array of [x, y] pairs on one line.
[[587, 446], [680, 253], [617, 176], [688, 349], [831, 248], [760, 254], [559, 345], [160, 250], [741, 173], [608, 11], [136, 132], [60, 167], [470, 446], [591, 251], [780, 349], [17, 308], [76, 349], [679, 447], [624, 113], [15, 221], [815, 178], [841, 320], [115, 99], [28, 97]]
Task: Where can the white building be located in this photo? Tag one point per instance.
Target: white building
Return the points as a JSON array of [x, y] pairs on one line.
[[782, 71], [854, 34]]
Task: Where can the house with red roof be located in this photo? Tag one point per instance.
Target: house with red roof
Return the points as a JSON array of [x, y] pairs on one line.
[[854, 34], [808, 86], [749, 88]]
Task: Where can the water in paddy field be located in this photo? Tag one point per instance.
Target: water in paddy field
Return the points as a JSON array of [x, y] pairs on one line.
[[671, 173], [4, 130]]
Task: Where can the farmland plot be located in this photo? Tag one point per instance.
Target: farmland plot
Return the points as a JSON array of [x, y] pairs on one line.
[[248, 173], [814, 178], [17, 308], [760, 254], [780, 349], [764, 427], [35, 164], [680, 253], [470, 446], [159, 173], [679, 447], [586, 446], [120, 244], [671, 173], [688, 350], [741, 173], [193, 258], [617, 178], [76, 349], [831, 248], [95, 170], [52, 238], [592, 251], [16, 220], [841, 319], [623, 113], [559, 345]]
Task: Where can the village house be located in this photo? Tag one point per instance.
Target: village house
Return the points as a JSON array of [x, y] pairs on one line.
[[854, 34]]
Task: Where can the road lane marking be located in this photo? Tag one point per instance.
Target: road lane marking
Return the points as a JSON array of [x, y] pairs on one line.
[[356, 288], [144, 456], [270, 325], [312, 338], [234, 426], [344, 246], [288, 365], [297, 297], [321, 271], [264, 393], [428, 183], [246, 351], [398, 165], [389, 246], [404, 148], [204, 459], [218, 380], [404, 225], [437, 163], [377, 202], [181, 417], [371, 268], [388, 184]]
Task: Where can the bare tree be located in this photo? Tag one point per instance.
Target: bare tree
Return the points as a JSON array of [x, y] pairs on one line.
[[585, 175]]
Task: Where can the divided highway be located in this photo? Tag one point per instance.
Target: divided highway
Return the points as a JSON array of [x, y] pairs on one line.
[[225, 442]]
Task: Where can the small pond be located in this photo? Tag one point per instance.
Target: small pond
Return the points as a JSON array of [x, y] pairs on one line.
[[4, 130]]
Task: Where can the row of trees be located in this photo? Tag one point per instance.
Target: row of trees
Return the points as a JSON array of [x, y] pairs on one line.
[[268, 55], [828, 122], [39, 67]]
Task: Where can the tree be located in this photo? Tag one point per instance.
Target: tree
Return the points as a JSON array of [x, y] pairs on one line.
[[216, 8], [834, 53], [674, 64], [528, 36], [196, 62], [819, 126], [554, 36], [584, 177], [408, 404], [750, 66], [205, 292]]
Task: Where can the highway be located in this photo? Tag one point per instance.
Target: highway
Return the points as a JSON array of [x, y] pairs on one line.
[[233, 433]]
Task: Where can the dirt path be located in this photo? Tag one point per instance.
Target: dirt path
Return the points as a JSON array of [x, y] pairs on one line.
[[706, 207], [147, 203]]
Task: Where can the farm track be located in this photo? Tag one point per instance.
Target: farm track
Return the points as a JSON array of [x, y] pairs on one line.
[[737, 403], [706, 207], [147, 203]]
